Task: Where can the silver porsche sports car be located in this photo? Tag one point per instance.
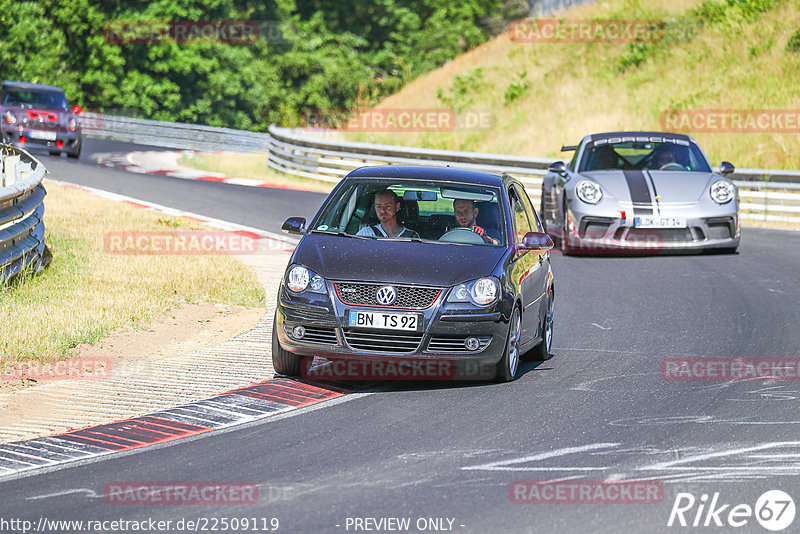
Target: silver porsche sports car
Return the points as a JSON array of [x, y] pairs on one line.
[[640, 192]]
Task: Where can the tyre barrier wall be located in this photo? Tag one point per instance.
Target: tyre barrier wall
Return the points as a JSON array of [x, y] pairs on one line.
[[21, 212], [765, 195]]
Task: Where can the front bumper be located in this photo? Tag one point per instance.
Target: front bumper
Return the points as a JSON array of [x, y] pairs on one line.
[[597, 234], [442, 337]]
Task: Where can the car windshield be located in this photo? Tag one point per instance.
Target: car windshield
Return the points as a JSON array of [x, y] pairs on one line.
[[426, 212], [669, 155], [35, 99]]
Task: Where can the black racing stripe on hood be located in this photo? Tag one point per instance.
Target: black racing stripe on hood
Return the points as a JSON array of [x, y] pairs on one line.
[[640, 193]]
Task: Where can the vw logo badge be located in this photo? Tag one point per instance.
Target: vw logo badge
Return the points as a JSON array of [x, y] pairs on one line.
[[386, 295]]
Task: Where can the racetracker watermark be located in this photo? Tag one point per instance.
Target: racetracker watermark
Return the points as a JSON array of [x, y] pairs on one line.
[[180, 493], [586, 492], [585, 31], [80, 368], [718, 369], [180, 243], [398, 120], [154, 32], [412, 369], [634, 241], [731, 120]]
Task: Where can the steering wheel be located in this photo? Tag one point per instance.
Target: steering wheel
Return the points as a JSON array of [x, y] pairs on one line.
[[462, 235], [672, 166]]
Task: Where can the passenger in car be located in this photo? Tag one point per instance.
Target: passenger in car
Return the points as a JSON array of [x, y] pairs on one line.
[[387, 204]]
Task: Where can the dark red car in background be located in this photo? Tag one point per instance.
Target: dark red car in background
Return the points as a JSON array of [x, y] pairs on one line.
[[39, 116]]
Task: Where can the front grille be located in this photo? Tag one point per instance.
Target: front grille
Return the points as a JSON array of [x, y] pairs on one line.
[[383, 341], [664, 235], [315, 334], [412, 297], [455, 344]]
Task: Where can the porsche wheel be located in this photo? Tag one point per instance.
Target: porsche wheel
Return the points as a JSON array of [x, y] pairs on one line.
[[563, 243]]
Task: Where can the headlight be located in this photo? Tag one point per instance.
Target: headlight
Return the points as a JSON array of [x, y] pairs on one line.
[[722, 191], [298, 279], [73, 124], [9, 117], [482, 292], [589, 192]]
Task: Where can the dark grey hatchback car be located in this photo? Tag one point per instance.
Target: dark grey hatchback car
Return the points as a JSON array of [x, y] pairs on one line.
[[457, 294]]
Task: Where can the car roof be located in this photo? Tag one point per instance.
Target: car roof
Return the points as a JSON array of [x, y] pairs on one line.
[[608, 135], [27, 86], [422, 172]]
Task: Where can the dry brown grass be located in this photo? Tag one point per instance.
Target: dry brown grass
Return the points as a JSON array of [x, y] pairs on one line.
[[86, 293]]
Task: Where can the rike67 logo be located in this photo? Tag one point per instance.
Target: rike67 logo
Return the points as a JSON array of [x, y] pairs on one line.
[[774, 510]]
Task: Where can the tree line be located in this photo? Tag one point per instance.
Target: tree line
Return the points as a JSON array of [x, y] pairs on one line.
[[156, 60]]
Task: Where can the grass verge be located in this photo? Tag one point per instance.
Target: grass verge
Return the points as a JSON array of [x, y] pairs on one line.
[[86, 293]]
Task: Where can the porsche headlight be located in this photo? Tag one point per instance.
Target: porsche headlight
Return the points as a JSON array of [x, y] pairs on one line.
[[482, 292], [9, 117], [298, 279], [589, 192], [722, 191]]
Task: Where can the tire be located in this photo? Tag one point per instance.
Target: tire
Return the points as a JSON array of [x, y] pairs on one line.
[[508, 365], [541, 352], [284, 362], [564, 241], [76, 154]]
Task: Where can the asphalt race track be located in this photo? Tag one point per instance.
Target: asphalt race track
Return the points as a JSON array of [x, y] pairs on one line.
[[258, 207], [600, 409]]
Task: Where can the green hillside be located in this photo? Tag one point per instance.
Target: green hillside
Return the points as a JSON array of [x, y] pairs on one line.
[[723, 55]]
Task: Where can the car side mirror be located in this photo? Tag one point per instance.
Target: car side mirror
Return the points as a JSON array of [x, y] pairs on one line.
[[536, 241], [294, 225], [76, 109], [726, 168], [557, 167]]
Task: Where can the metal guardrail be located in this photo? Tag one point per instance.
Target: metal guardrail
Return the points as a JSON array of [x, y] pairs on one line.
[[767, 195], [537, 8], [329, 160], [21, 212], [172, 134]]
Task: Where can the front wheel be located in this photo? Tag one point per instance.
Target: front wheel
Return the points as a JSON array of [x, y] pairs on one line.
[[509, 363], [284, 362], [564, 241]]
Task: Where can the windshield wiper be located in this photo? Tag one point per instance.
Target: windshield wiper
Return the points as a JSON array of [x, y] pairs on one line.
[[338, 233]]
